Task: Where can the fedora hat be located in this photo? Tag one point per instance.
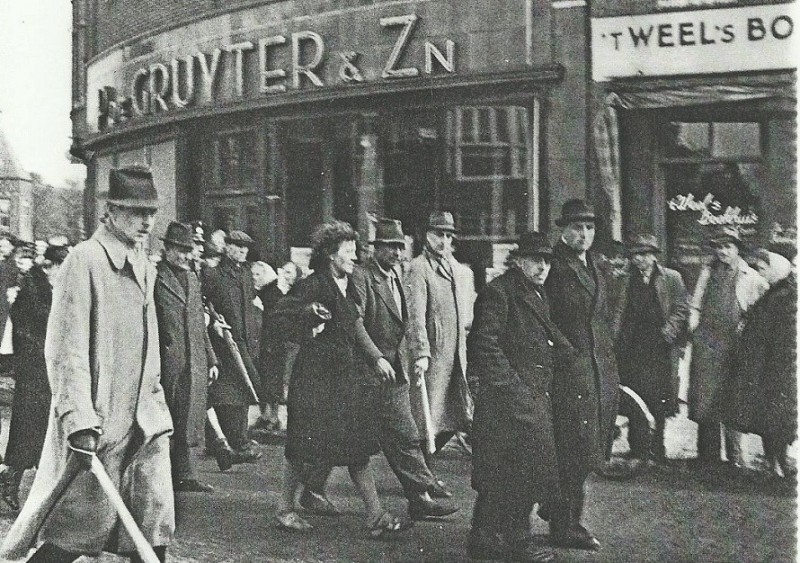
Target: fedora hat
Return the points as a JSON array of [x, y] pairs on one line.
[[532, 244], [441, 221], [239, 238], [178, 234], [389, 231], [132, 186], [643, 243], [725, 233], [575, 210], [56, 254]]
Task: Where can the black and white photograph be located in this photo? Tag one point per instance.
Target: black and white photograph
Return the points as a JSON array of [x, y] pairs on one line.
[[321, 281]]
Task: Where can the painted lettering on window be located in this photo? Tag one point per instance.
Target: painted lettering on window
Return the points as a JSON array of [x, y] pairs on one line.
[[712, 211]]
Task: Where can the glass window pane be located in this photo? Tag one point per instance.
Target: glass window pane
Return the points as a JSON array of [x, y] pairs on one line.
[[693, 136], [736, 140]]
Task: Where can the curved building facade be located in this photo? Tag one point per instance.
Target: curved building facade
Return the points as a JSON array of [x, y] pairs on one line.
[[271, 116]]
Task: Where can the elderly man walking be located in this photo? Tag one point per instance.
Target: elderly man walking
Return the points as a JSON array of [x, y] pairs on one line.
[[652, 318], [437, 334], [585, 393], [187, 360], [103, 365]]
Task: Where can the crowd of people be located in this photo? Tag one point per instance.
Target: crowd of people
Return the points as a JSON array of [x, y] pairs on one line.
[[136, 362]]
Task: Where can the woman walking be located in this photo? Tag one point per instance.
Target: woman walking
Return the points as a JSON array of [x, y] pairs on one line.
[[330, 407], [31, 404]]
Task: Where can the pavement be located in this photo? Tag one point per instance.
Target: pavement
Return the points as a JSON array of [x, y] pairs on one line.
[[681, 512]]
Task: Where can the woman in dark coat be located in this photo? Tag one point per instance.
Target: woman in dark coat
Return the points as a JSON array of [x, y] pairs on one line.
[[510, 351], [330, 410], [762, 395], [30, 408]]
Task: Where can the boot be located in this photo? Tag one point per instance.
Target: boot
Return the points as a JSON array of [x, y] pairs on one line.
[[11, 478]]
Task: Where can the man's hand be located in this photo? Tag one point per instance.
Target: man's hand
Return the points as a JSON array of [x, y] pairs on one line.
[[11, 294], [421, 366], [213, 374], [84, 444], [384, 370]]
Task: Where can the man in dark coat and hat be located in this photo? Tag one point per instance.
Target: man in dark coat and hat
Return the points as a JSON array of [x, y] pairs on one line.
[[652, 316], [230, 289], [188, 361], [585, 394], [511, 352]]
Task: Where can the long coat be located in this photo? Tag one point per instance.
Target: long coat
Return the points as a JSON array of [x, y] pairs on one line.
[[31, 404], [713, 341], [331, 411], [104, 370], [511, 352], [383, 320], [659, 390], [761, 396], [229, 287], [585, 393], [437, 330], [186, 352]]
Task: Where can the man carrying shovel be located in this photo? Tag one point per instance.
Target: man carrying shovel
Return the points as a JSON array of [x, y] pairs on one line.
[[108, 406]]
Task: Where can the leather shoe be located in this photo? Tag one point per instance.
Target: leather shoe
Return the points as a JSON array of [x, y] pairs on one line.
[[246, 455], [576, 537], [439, 490], [422, 507], [191, 486], [315, 503]]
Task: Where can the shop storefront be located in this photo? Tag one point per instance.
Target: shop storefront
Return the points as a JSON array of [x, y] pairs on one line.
[[270, 120], [695, 120]]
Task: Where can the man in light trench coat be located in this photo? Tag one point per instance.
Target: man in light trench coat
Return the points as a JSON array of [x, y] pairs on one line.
[[102, 356]]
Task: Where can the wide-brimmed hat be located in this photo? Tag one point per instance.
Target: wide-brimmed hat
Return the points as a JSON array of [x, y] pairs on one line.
[[389, 231], [575, 210], [132, 186], [239, 238], [725, 233], [442, 221], [56, 254], [179, 234], [532, 244], [643, 243]]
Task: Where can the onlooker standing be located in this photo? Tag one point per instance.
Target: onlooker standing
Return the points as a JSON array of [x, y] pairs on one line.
[[725, 290], [229, 288], [103, 365], [437, 334], [30, 408], [511, 350], [271, 393], [651, 325], [762, 394], [585, 394], [188, 362]]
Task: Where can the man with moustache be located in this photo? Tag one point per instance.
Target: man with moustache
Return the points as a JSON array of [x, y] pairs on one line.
[[102, 354], [585, 392], [511, 352], [188, 362], [437, 334]]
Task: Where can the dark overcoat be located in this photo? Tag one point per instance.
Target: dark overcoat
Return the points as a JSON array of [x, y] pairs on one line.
[[229, 287], [186, 352], [511, 352], [31, 404], [382, 319], [659, 390], [331, 412], [762, 393], [585, 393]]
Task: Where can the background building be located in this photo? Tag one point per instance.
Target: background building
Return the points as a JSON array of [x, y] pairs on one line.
[[16, 195], [272, 116]]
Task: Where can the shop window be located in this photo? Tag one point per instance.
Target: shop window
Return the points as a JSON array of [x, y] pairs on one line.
[[716, 140], [236, 160], [5, 215]]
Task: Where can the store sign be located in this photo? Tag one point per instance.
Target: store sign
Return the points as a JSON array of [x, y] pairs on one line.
[[195, 79], [694, 42], [711, 210]]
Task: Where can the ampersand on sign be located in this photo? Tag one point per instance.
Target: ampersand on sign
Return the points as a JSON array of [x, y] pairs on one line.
[[349, 72]]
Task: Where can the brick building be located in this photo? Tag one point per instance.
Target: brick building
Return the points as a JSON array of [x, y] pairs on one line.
[[272, 116], [16, 195]]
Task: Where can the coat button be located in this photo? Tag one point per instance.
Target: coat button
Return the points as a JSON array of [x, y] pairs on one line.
[[549, 342], [580, 396], [586, 422]]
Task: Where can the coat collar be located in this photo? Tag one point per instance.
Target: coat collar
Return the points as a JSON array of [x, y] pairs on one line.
[[538, 305], [574, 263], [383, 289], [169, 280], [437, 264], [118, 252]]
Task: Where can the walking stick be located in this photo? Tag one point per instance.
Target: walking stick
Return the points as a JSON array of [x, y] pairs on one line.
[[430, 435], [142, 546]]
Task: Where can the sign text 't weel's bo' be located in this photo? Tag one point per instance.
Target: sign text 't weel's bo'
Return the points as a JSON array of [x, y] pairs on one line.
[[159, 88]]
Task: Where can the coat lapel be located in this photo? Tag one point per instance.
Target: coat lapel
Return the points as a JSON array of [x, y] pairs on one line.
[[384, 291], [583, 274], [661, 289], [168, 280], [538, 305]]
